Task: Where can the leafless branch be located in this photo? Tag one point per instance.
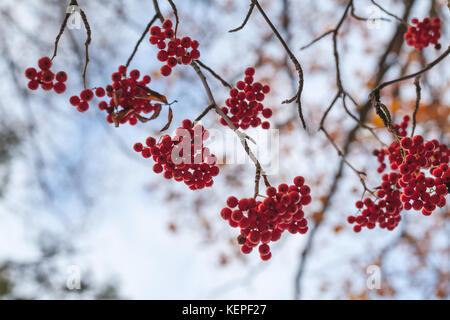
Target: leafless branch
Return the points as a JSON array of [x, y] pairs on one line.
[[416, 108], [147, 28], [249, 13]]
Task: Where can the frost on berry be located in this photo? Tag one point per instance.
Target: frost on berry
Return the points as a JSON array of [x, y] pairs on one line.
[[418, 180], [244, 106], [172, 50], [421, 34], [45, 78], [262, 222], [183, 157]]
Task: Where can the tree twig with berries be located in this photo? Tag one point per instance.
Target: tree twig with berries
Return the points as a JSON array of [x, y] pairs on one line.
[[298, 67], [213, 105], [393, 48]]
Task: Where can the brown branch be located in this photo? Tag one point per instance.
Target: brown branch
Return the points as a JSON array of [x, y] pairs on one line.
[[298, 67], [214, 74], [416, 108], [374, 96], [62, 28], [390, 14], [393, 48], [413, 75], [317, 39], [175, 13], [354, 15], [86, 44], [242, 136], [147, 28], [249, 13], [204, 113]]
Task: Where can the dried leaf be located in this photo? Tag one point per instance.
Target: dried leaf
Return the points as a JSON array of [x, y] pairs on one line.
[[152, 95], [170, 117], [157, 112]]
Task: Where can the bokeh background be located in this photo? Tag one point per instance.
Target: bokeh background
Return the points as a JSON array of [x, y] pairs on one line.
[[74, 193]]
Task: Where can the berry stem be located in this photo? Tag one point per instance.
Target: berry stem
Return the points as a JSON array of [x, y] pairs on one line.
[[140, 40]]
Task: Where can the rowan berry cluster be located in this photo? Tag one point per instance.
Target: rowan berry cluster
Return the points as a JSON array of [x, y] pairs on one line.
[[173, 50], [128, 98], [424, 33], [245, 105], [264, 221], [419, 180], [45, 77], [183, 157]]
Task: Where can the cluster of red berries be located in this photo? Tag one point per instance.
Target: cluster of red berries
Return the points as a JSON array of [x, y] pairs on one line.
[[183, 157], [264, 221], [45, 77], [385, 210], [172, 50], [419, 180], [424, 33], [128, 97], [245, 104]]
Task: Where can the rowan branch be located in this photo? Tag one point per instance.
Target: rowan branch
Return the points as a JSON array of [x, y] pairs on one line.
[[393, 48], [86, 44], [63, 27], [243, 138], [382, 111], [416, 108], [249, 13], [147, 28], [298, 67], [390, 14], [175, 13], [214, 74]]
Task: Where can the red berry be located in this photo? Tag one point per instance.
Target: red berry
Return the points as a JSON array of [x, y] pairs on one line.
[[83, 106], [31, 73], [232, 202], [138, 147], [33, 84], [100, 92], [74, 100], [59, 87], [167, 24], [166, 70], [86, 95], [45, 63], [61, 76]]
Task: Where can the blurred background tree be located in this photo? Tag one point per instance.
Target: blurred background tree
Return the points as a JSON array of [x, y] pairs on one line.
[[74, 192]]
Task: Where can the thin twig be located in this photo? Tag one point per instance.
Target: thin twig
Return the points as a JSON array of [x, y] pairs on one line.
[[214, 74], [416, 108], [298, 67], [317, 39], [354, 15], [374, 96], [415, 74], [86, 44], [204, 113], [175, 13], [147, 28], [390, 14], [252, 6], [63, 27], [393, 48]]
